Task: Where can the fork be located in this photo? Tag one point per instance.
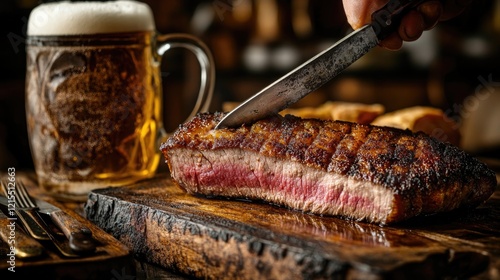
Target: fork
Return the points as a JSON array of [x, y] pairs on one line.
[[25, 211], [27, 203], [26, 247]]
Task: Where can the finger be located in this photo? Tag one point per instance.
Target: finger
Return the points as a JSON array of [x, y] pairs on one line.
[[411, 27], [358, 12], [431, 12], [392, 42]]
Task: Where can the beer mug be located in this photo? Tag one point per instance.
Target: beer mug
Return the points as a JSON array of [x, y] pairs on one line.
[[94, 96]]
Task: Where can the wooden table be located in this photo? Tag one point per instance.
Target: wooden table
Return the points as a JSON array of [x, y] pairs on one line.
[[53, 265], [142, 268]]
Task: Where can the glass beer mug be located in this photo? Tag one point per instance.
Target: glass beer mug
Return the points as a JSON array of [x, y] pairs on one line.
[[94, 96]]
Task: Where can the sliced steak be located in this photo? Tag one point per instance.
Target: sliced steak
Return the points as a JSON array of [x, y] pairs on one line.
[[376, 174]]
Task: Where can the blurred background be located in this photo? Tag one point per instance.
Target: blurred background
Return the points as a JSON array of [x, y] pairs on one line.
[[454, 67]]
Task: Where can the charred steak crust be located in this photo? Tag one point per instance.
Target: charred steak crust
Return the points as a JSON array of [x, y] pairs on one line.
[[364, 172]]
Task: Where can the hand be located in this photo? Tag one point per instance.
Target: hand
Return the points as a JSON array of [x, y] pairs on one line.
[[424, 17]]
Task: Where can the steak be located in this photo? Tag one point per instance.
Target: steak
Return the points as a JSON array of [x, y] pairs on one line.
[[368, 173]]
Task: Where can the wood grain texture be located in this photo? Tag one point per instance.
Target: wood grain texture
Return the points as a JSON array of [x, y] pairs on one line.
[[225, 239], [111, 259]]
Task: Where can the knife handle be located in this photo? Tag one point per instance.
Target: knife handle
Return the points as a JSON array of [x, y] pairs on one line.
[[79, 236], [386, 20], [26, 247]]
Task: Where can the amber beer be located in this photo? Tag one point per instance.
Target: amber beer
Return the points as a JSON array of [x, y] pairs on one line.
[[94, 96]]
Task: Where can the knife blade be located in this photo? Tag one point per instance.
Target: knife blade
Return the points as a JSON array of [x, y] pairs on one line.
[[79, 235], [32, 226], [61, 245], [320, 69]]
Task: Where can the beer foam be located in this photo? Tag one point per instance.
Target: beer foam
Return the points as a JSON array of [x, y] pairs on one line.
[[76, 18]]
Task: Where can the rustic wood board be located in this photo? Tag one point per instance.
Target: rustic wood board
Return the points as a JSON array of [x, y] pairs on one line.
[[111, 259], [227, 239]]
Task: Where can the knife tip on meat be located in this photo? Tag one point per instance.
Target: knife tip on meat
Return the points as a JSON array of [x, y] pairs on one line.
[[362, 172]]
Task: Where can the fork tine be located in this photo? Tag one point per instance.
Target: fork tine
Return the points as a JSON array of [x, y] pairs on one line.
[[4, 187], [27, 215], [20, 197], [24, 195]]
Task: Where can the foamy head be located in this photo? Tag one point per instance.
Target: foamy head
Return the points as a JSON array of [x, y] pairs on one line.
[[76, 18]]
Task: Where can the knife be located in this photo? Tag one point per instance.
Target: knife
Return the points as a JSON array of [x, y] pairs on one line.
[[14, 237], [30, 223], [321, 68], [79, 235], [62, 245]]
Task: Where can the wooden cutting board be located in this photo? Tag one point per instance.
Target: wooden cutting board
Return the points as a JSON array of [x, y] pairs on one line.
[[227, 239]]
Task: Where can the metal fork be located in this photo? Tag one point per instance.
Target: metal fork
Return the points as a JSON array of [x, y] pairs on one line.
[[26, 247], [28, 207], [24, 210]]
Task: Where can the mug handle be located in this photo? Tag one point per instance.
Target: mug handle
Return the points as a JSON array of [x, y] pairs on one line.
[[165, 42]]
